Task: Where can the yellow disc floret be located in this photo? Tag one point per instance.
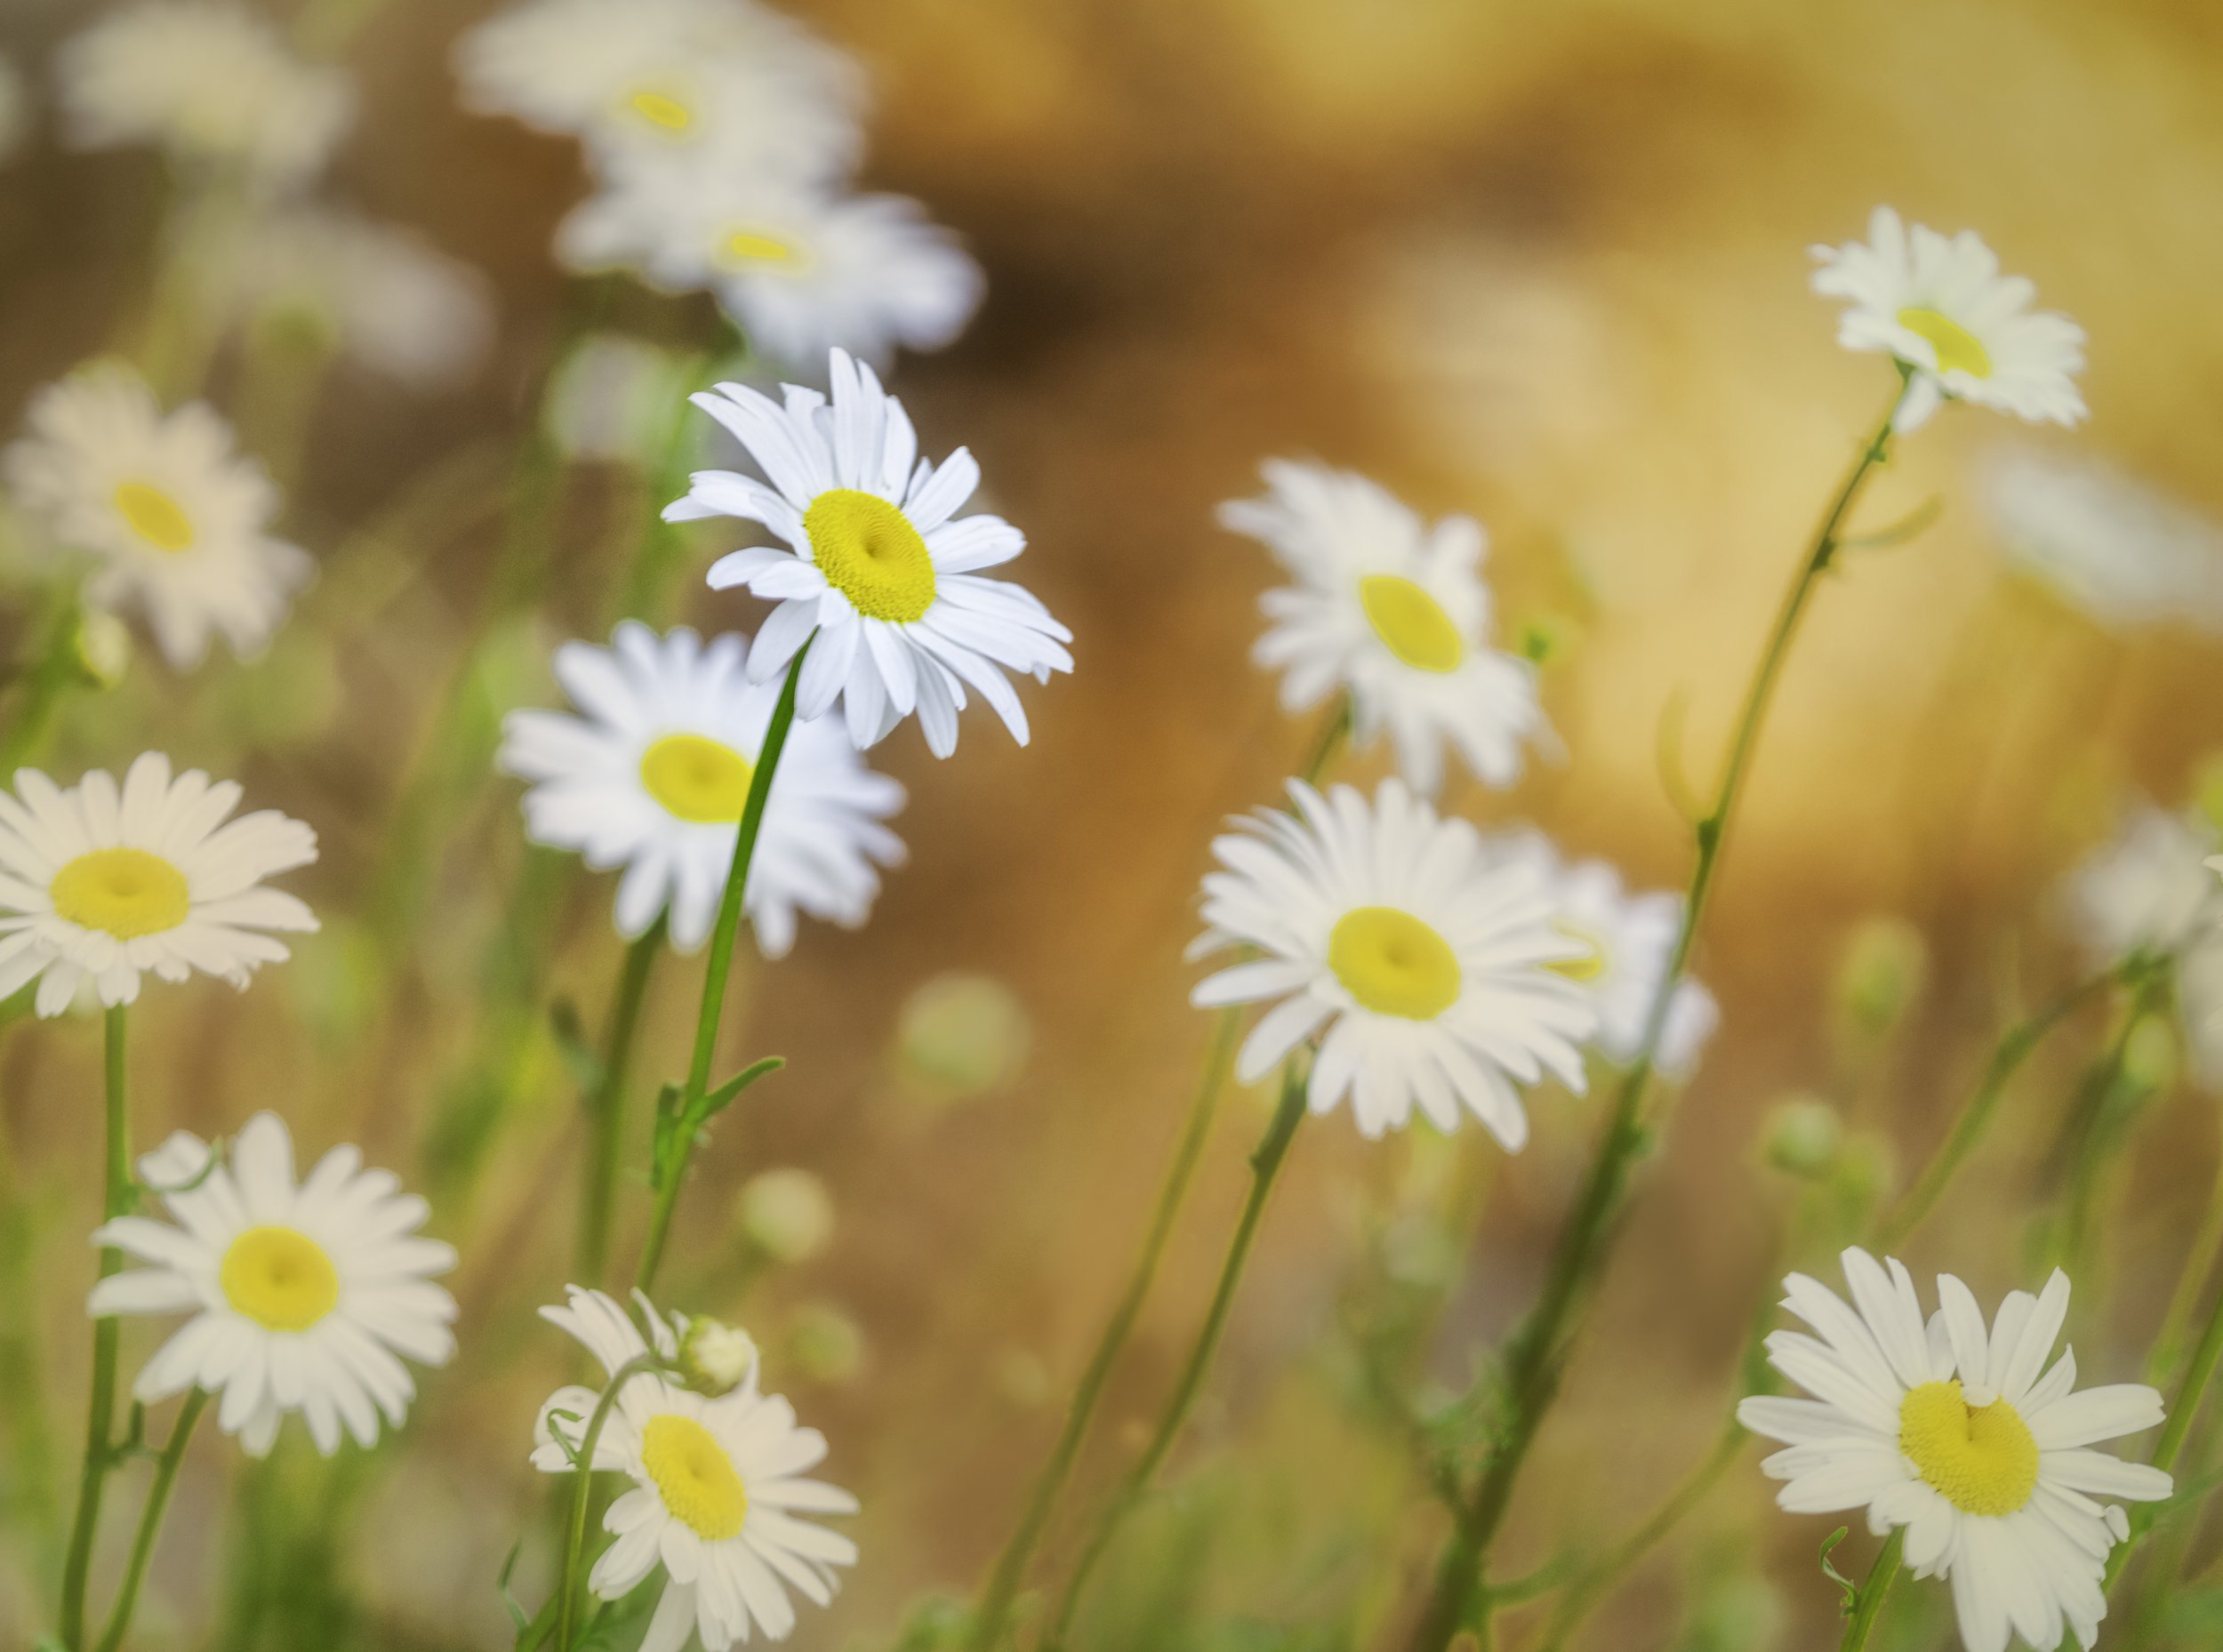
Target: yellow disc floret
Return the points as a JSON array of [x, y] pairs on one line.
[[1590, 966], [869, 552], [1981, 1459], [694, 1476], [153, 516], [744, 246], [125, 892], [280, 1278], [662, 110], [697, 778], [1393, 964], [1956, 345], [1411, 623]]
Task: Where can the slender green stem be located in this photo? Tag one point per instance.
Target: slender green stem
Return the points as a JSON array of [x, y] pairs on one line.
[[52, 675], [720, 966], [1869, 1606], [607, 1107], [100, 1454], [1533, 1359], [569, 1585], [151, 1518], [1266, 1164], [2092, 1135]]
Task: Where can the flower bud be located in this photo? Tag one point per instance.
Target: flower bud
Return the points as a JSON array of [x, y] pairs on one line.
[[104, 647], [1802, 1136], [1881, 972], [715, 1358], [786, 1213], [825, 1343], [962, 1034]]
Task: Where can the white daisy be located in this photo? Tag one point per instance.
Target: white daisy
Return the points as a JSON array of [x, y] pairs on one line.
[[206, 82], [177, 520], [653, 776], [1941, 309], [1949, 1429], [1429, 965], [1392, 611], [301, 1295], [876, 562], [2147, 888], [717, 1498], [799, 268], [2104, 542], [98, 883]]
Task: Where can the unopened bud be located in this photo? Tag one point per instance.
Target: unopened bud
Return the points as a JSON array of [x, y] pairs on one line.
[[104, 647], [825, 1343], [963, 1034], [1802, 1136], [1881, 972], [786, 1213], [715, 1358], [2151, 1056]]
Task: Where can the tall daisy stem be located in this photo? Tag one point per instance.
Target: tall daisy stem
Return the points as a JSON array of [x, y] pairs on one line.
[[1266, 1164], [1533, 1360], [717, 969], [569, 1585], [100, 1451], [1868, 1607], [607, 1106], [151, 1518]]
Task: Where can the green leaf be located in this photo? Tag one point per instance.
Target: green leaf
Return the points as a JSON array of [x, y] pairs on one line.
[[718, 1100], [1851, 1589]]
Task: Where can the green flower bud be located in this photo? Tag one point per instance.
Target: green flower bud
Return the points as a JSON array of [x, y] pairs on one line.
[[787, 1214], [104, 647], [962, 1034], [825, 1343], [1881, 972], [1802, 1136], [715, 1358]]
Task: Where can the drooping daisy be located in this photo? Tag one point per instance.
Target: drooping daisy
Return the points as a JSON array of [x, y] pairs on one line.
[[799, 268], [717, 1498], [100, 884], [177, 520], [876, 562], [654, 775], [1392, 611], [1429, 965], [2106, 543], [1940, 307], [208, 83], [302, 1295], [1950, 1430]]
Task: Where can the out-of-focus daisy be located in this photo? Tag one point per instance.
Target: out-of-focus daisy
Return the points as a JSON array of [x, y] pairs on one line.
[[1940, 307], [799, 269], [1962, 1434], [1392, 611], [654, 775], [2104, 542], [717, 1499], [612, 398], [728, 81], [15, 109], [177, 521], [207, 82], [1433, 968], [302, 1294], [99, 883], [1628, 940], [2147, 888], [876, 562]]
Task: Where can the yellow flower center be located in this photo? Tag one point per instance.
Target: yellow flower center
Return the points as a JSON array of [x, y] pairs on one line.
[[694, 1476], [743, 246], [1393, 964], [869, 552], [1590, 966], [280, 1278], [153, 516], [1956, 346], [1981, 1459], [126, 893], [696, 778], [1411, 623], [662, 110]]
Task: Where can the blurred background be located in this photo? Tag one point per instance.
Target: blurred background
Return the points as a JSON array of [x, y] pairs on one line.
[[1546, 265]]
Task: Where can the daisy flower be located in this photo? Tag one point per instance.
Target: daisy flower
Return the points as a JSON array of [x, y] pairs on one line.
[[1949, 1429], [717, 1498], [100, 884], [1395, 612], [876, 562], [302, 1294], [207, 82], [2148, 888], [1428, 968], [800, 269], [176, 519], [1964, 332], [653, 777]]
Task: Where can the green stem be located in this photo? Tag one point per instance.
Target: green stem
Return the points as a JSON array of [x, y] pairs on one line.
[[2091, 1134], [718, 968], [1533, 1360], [1266, 1164], [99, 1448], [569, 1585], [1869, 1607], [607, 1107], [151, 1518], [52, 675]]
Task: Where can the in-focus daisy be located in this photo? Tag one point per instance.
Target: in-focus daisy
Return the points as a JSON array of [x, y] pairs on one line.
[[799, 268], [1964, 1436], [207, 82], [653, 774], [302, 1295], [876, 562], [101, 883], [2106, 543], [716, 1500], [177, 520], [1940, 307], [1426, 967], [1395, 612]]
